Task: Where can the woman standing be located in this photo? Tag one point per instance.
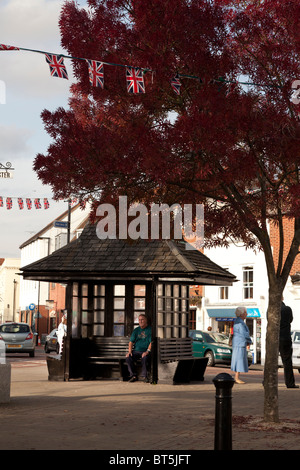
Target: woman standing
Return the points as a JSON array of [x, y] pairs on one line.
[[241, 339], [61, 332]]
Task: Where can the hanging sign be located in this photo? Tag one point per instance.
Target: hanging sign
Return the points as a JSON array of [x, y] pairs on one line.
[[6, 174]]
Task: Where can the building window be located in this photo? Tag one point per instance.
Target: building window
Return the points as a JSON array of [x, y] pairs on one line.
[[223, 293], [139, 302], [99, 309], [119, 310], [248, 282], [86, 317], [192, 318], [61, 240], [172, 311]]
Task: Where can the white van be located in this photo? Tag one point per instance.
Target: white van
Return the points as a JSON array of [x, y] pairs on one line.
[[296, 350]]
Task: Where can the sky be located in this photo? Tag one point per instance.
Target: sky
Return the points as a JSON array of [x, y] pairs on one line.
[[26, 89]]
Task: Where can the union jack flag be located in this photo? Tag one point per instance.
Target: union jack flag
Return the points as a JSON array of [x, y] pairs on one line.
[[135, 80], [46, 203], [37, 203], [175, 84], [3, 47], [96, 73], [28, 204], [21, 203], [57, 66], [9, 203]]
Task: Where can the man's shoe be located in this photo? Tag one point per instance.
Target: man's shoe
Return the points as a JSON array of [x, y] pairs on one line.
[[132, 379], [294, 386], [146, 380]]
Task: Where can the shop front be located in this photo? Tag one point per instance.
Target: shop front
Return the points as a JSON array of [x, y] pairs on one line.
[[223, 319]]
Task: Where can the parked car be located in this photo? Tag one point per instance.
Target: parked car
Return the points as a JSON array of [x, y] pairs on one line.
[[296, 350], [204, 345], [51, 343], [220, 337], [18, 338]]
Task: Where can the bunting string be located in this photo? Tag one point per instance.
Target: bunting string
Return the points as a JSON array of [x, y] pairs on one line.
[[29, 203], [134, 75]]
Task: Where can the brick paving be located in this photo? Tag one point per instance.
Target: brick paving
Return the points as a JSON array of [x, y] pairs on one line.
[[117, 416]]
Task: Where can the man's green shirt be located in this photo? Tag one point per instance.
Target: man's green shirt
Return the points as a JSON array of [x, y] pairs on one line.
[[141, 338]]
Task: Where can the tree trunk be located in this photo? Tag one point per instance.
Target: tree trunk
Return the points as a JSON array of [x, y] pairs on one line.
[[271, 410]]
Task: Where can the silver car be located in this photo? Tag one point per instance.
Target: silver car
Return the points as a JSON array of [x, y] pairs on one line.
[[51, 343], [18, 338]]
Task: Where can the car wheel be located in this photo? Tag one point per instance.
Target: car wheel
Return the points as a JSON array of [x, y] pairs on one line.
[[31, 354], [57, 348], [47, 350], [211, 359]]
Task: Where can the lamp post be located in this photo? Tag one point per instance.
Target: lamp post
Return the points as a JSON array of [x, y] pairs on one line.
[[14, 299]]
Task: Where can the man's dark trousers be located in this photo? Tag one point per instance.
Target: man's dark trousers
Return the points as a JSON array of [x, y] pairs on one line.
[[136, 355], [285, 349]]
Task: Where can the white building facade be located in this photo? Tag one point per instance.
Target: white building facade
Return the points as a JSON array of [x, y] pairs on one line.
[[45, 242], [9, 288]]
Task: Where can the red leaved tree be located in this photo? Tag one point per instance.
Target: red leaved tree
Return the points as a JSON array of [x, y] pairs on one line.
[[232, 147]]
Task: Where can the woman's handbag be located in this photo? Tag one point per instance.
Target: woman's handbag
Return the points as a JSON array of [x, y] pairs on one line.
[[230, 340]]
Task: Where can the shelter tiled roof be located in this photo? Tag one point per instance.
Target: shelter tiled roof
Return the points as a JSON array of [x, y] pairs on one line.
[[89, 257]]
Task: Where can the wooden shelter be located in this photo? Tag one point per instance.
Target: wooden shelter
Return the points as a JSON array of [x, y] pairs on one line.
[[110, 282]]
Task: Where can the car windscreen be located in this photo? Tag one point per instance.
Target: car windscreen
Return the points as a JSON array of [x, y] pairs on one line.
[[14, 328], [219, 337], [207, 338]]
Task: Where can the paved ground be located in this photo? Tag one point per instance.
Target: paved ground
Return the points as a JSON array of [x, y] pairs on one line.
[[116, 416]]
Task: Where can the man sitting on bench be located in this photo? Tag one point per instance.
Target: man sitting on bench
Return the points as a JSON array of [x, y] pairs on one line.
[[139, 348]]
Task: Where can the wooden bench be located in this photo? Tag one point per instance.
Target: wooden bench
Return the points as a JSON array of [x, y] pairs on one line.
[[106, 355], [110, 352], [176, 361]]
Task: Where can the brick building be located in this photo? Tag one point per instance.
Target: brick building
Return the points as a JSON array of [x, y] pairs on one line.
[[288, 229]]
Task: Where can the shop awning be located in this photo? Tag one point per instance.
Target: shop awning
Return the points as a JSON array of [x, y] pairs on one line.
[[228, 314]]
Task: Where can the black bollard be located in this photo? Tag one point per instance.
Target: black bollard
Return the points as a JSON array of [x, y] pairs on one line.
[[223, 416]]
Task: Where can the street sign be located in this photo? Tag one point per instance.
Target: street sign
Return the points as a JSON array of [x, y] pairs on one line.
[[58, 223], [31, 307], [5, 170]]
